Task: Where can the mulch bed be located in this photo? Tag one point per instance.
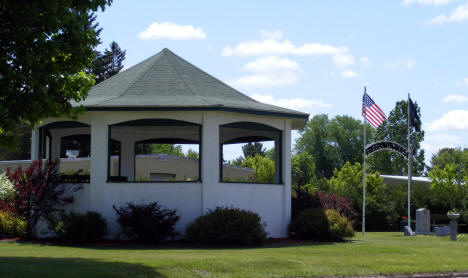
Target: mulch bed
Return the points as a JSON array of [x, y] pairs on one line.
[[270, 242]]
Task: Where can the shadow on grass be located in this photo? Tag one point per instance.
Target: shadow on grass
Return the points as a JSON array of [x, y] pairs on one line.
[[71, 267], [184, 245]]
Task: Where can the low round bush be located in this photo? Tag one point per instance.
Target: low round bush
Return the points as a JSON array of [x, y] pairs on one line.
[[227, 226], [321, 224], [148, 223], [340, 227], [11, 226], [310, 223], [80, 228]]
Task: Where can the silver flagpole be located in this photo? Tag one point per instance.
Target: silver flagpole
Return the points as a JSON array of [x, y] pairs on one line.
[[410, 165], [364, 174]]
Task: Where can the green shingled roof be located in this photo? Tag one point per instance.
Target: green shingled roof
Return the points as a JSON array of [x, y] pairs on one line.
[[167, 82]]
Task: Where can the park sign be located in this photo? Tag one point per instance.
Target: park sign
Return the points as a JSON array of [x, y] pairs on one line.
[[386, 145]]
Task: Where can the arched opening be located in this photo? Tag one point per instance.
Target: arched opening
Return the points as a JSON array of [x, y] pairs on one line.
[[250, 153], [157, 150], [70, 143]]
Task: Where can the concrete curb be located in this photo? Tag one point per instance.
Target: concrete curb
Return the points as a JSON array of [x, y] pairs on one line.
[[419, 275]]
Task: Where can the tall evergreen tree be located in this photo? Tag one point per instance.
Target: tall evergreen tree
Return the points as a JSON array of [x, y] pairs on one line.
[[108, 63]]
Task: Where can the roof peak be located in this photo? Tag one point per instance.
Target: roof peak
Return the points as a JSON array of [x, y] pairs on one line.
[[167, 81]]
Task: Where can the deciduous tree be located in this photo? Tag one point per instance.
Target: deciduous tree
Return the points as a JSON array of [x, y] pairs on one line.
[[395, 129], [45, 47]]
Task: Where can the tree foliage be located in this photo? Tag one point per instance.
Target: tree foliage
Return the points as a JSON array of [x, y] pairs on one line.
[[45, 47], [302, 169], [19, 149], [445, 192], [252, 149], [333, 142], [264, 168], [171, 149], [395, 129], [447, 156], [107, 63]]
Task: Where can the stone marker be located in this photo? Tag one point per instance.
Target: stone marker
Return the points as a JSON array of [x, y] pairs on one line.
[[409, 231], [442, 231], [423, 222]]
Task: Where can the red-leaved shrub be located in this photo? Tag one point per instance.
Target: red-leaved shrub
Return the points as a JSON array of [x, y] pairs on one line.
[[322, 200], [37, 193]]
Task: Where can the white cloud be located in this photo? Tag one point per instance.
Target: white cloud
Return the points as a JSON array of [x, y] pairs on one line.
[[365, 61], [171, 31], [433, 142], [271, 63], [452, 120], [348, 74], [285, 47], [266, 72], [464, 82], [426, 2], [460, 14], [342, 61], [264, 80], [300, 104], [275, 34], [400, 63], [455, 98]]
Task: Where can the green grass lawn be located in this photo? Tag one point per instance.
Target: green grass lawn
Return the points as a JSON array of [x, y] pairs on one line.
[[374, 253]]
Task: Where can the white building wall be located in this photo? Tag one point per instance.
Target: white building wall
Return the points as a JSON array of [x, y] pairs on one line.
[[271, 201]]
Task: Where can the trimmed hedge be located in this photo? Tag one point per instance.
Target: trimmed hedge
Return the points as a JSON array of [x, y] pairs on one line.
[[227, 226], [80, 228], [150, 223], [321, 224]]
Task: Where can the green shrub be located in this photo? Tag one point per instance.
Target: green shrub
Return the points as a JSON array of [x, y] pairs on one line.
[[231, 226], [80, 228], [11, 226], [150, 223], [310, 223], [340, 227], [321, 224]]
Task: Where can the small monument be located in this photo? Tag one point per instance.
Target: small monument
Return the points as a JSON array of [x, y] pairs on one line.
[[423, 222], [442, 231], [453, 216]]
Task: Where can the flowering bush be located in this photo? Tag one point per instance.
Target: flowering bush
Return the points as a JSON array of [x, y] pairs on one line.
[[6, 188]]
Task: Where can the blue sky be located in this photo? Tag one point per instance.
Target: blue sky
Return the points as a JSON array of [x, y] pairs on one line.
[[316, 56]]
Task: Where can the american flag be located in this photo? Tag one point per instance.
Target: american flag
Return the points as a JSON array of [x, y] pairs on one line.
[[372, 111]]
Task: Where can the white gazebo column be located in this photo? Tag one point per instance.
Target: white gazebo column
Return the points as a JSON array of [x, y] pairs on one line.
[[99, 161], [127, 156], [278, 157], [34, 143], [209, 160], [56, 138], [286, 175]]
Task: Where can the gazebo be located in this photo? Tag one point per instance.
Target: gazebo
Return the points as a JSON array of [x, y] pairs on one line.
[[166, 100]]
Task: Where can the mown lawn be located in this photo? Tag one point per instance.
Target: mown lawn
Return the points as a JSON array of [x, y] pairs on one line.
[[374, 253]]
